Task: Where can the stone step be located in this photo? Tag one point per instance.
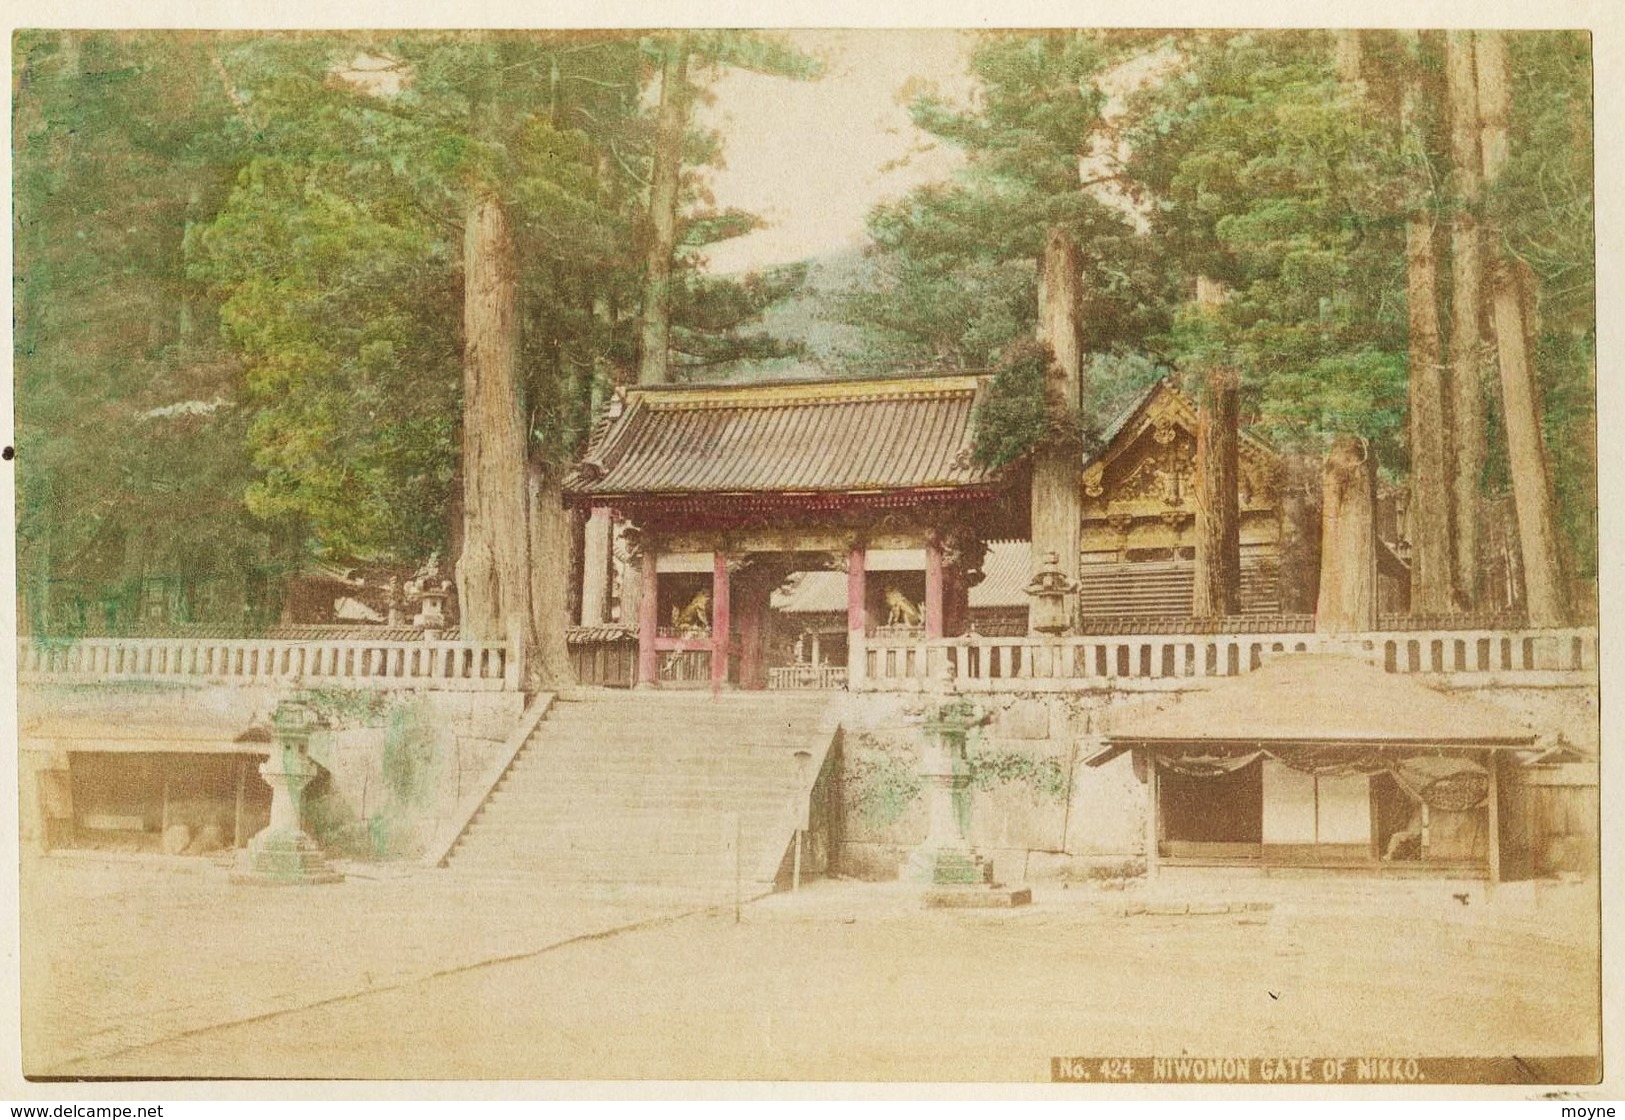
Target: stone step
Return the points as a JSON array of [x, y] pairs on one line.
[[577, 763], [612, 864], [693, 818], [711, 828], [539, 778], [541, 785], [711, 743]]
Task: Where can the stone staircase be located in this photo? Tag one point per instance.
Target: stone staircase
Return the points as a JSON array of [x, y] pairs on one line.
[[656, 789]]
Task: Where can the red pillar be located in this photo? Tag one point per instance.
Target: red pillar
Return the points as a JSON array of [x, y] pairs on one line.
[[857, 619], [648, 620], [721, 622], [933, 590]]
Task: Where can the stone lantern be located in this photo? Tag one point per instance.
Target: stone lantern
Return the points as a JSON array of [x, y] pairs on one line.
[[1049, 590], [945, 856], [946, 860], [284, 853], [429, 590]]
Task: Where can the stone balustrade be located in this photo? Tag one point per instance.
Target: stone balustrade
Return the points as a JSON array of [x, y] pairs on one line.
[[806, 677], [1152, 661], [459, 666]]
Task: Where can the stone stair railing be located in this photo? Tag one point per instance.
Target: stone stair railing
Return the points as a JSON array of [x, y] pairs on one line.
[[822, 747], [451, 831]]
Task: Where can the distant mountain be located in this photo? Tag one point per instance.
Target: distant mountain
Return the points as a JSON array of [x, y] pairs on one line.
[[833, 348]]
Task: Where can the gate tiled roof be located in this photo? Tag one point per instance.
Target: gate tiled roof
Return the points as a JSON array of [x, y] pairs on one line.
[[905, 433]]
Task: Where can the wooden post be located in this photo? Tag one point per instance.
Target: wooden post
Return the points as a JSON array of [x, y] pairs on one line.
[[856, 614], [237, 820], [1152, 817], [721, 620], [1493, 765], [933, 590], [648, 621]]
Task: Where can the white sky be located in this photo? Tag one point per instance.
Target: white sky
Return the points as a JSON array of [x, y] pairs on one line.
[[811, 158]]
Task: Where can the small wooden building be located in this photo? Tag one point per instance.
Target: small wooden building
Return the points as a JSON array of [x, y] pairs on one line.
[[1327, 762]]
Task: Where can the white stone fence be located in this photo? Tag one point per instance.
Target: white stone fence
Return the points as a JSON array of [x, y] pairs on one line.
[[1151, 661], [446, 666], [806, 677]]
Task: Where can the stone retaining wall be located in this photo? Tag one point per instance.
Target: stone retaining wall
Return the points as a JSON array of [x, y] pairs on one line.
[[397, 762]]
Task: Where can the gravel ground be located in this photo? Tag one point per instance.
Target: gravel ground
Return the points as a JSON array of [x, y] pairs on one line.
[[139, 970]]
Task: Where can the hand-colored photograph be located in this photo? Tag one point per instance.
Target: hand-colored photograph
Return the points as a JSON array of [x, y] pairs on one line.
[[1054, 557]]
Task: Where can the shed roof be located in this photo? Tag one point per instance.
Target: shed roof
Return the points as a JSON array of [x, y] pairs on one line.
[[906, 433], [1322, 698]]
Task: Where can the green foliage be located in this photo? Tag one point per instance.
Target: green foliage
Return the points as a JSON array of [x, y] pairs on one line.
[[880, 784], [1016, 414], [955, 281], [409, 755], [345, 310], [1045, 776], [1546, 206], [239, 291], [347, 707], [1272, 176], [129, 424]]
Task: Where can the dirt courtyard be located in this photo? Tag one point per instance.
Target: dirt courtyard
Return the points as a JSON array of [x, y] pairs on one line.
[[154, 970]]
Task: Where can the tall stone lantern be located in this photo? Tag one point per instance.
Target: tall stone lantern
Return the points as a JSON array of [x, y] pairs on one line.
[[1049, 590], [946, 856], [946, 861], [284, 854]]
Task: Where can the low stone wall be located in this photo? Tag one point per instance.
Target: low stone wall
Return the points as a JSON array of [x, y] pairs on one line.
[[1035, 808], [397, 762]]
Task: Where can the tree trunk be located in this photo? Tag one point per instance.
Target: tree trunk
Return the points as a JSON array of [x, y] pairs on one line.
[[551, 536], [493, 580], [1348, 540], [1217, 591], [1057, 498], [1300, 534], [671, 123], [1544, 588], [1060, 315], [1466, 322], [1430, 483]]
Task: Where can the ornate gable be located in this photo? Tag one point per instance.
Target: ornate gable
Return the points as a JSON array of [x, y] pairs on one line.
[[1148, 464]]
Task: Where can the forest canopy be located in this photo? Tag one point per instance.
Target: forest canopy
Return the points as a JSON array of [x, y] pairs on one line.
[[243, 268]]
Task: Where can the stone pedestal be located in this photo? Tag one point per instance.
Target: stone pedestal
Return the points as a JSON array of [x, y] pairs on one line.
[[283, 854]]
